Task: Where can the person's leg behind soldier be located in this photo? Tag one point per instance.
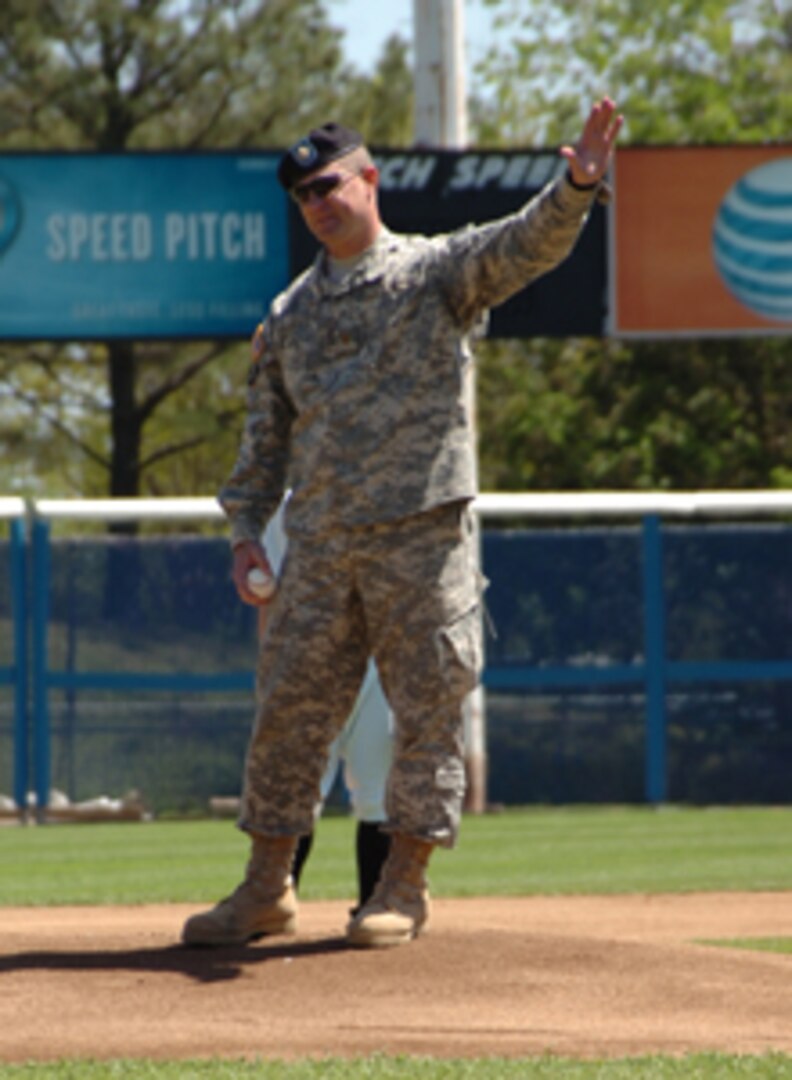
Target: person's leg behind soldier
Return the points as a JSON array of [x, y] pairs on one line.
[[367, 752], [365, 747]]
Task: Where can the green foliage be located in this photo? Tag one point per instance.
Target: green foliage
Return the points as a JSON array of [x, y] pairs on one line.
[[381, 106], [56, 437], [688, 71], [586, 415], [583, 415], [113, 75]]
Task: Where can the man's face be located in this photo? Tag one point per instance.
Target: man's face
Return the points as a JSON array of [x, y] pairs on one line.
[[338, 203]]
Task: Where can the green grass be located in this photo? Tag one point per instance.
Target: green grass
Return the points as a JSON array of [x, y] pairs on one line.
[[515, 853], [661, 1067], [766, 944]]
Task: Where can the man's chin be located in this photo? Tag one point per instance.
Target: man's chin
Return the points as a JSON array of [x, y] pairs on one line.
[[322, 228]]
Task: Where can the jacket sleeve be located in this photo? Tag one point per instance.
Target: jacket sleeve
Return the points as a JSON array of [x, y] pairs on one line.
[[257, 482], [482, 266]]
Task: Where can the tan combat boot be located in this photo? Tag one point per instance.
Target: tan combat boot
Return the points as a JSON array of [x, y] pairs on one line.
[[399, 907], [263, 904]]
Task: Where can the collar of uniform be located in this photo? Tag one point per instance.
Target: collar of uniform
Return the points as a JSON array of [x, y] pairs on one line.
[[370, 268]]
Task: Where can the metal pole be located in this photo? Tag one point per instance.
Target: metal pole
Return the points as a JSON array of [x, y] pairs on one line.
[[655, 662], [41, 722], [440, 93], [19, 601]]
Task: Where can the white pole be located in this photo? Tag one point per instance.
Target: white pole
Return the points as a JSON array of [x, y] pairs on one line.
[[440, 93]]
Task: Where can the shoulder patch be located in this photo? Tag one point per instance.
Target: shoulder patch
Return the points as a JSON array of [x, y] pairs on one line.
[[259, 352]]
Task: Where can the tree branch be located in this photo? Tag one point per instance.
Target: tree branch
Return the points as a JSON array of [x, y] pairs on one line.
[[171, 449], [177, 380], [57, 425]]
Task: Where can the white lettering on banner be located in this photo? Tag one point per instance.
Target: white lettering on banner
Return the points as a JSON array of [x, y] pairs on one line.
[[464, 175], [210, 235], [405, 172], [507, 173], [134, 310], [120, 238], [544, 167], [99, 237], [530, 170], [225, 309], [471, 172], [489, 169]]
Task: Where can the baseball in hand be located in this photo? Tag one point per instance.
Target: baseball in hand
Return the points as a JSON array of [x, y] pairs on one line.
[[260, 583]]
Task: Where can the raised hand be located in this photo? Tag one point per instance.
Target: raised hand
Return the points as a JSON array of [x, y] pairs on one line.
[[590, 156]]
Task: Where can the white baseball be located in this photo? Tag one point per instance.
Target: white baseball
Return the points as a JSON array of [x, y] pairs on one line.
[[260, 583]]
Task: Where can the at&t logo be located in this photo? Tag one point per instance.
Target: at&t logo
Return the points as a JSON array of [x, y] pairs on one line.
[[752, 240]]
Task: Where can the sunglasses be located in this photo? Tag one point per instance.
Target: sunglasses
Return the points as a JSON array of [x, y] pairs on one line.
[[321, 187]]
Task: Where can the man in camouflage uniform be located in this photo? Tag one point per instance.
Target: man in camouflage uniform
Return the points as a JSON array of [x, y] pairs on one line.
[[360, 403]]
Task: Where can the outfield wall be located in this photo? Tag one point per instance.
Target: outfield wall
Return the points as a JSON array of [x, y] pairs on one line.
[[641, 649]]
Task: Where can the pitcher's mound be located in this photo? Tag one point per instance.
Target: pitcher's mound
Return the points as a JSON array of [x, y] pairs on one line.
[[585, 976]]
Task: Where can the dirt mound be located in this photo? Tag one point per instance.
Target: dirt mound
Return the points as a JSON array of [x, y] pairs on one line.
[[584, 976]]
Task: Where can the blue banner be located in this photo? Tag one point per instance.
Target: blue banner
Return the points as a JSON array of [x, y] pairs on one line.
[[158, 245]]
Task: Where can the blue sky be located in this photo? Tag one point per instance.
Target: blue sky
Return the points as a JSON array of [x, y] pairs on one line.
[[368, 23]]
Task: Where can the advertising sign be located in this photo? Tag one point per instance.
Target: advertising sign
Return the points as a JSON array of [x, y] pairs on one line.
[[160, 245], [431, 192], [195, 245], [702, 241]]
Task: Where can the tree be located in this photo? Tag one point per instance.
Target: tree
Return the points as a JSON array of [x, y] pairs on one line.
[[688, 71], [584, 415], [116, 75], [135, 74], [381, 107], [604, 414]]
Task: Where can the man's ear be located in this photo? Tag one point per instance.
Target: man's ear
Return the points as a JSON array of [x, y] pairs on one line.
[[370, 173]]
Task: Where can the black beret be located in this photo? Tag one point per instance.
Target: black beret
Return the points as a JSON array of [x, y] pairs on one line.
[[319, 147]]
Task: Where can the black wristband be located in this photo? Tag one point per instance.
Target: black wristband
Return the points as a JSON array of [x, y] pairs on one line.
[[580, 187]]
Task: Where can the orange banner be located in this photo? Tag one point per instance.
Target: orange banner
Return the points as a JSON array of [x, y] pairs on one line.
[[702, 241]]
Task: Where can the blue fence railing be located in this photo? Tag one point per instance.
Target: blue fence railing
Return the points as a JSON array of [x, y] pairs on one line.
[[14, 657], [654, 616]]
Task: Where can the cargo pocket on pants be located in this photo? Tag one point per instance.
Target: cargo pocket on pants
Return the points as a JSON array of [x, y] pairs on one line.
[[460, 651]]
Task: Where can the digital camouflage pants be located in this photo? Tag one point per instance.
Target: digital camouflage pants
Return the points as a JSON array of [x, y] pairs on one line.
[[407, 593]]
